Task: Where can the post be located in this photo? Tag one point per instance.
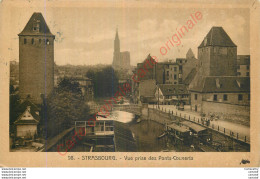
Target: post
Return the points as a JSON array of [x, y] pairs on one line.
[[189, 117], [245, 138], [104, 126], [237, 135], [85, 128], [224, 130], [218, 128]]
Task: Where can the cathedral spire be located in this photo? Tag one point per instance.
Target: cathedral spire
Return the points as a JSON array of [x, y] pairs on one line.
[[117, 37], [117, 43]]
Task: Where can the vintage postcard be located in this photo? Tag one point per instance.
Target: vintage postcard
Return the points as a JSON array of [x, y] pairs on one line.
[[129, 83]]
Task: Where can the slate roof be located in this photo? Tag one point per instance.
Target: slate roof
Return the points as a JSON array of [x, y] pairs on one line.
[[44, 29], [169, 89], [217, 37], [33, 109], [190, 76], [220, 84]]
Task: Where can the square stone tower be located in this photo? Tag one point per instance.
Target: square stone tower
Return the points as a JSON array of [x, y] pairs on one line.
[[217, 54], [36, 60]]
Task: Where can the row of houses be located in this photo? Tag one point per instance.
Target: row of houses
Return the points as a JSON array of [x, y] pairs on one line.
[[218, 81]]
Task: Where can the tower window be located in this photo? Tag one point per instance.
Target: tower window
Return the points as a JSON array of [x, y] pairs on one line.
[[24, 41], [47, 42], [225, 98], [36, 26], [195, 96], [32, 40], [240, 97]]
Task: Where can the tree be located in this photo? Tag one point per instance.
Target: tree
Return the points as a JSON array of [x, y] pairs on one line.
[[63, 107], [105, 82]]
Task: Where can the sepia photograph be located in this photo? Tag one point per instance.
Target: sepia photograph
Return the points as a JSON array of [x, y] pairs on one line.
[[118, 77]]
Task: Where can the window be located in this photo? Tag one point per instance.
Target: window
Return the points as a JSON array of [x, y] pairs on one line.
[[47, 42], [175, 77], [24, 41], [240, 97], [225, 98], [215, 98], [175, 68], [36, 26], [238, 66], [238, 73], [195, 96], [32, 40], [247, 73], [248, 97], [247, 67], [167, 73]]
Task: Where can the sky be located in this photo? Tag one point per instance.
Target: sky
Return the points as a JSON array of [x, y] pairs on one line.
[[85, 35]]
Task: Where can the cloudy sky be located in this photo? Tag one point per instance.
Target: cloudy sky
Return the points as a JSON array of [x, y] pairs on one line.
[[85, 36]]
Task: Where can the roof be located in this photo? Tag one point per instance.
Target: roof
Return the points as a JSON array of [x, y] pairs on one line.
[[243, 60], [217, 37], [29, 116], [147, 88], [220, 84], [178, 128], [169, 89], [190, 76], [197, 128], [190, 54], [43, 27]]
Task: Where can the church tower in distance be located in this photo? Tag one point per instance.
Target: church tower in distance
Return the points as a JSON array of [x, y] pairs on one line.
[[36, 60], [121, 60]]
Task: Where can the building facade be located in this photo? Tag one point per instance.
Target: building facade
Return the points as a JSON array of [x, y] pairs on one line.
[[36, 59], [169, 94], [243, 65]]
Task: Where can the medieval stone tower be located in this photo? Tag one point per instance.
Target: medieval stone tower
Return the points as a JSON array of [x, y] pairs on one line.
[[36, 59], [217, 54]]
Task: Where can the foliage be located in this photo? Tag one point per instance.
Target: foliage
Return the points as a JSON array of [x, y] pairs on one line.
[[64, 106], [14, 108], [105, 81]]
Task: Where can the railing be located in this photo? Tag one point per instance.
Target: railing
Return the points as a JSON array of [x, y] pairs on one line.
[[205, 123]]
